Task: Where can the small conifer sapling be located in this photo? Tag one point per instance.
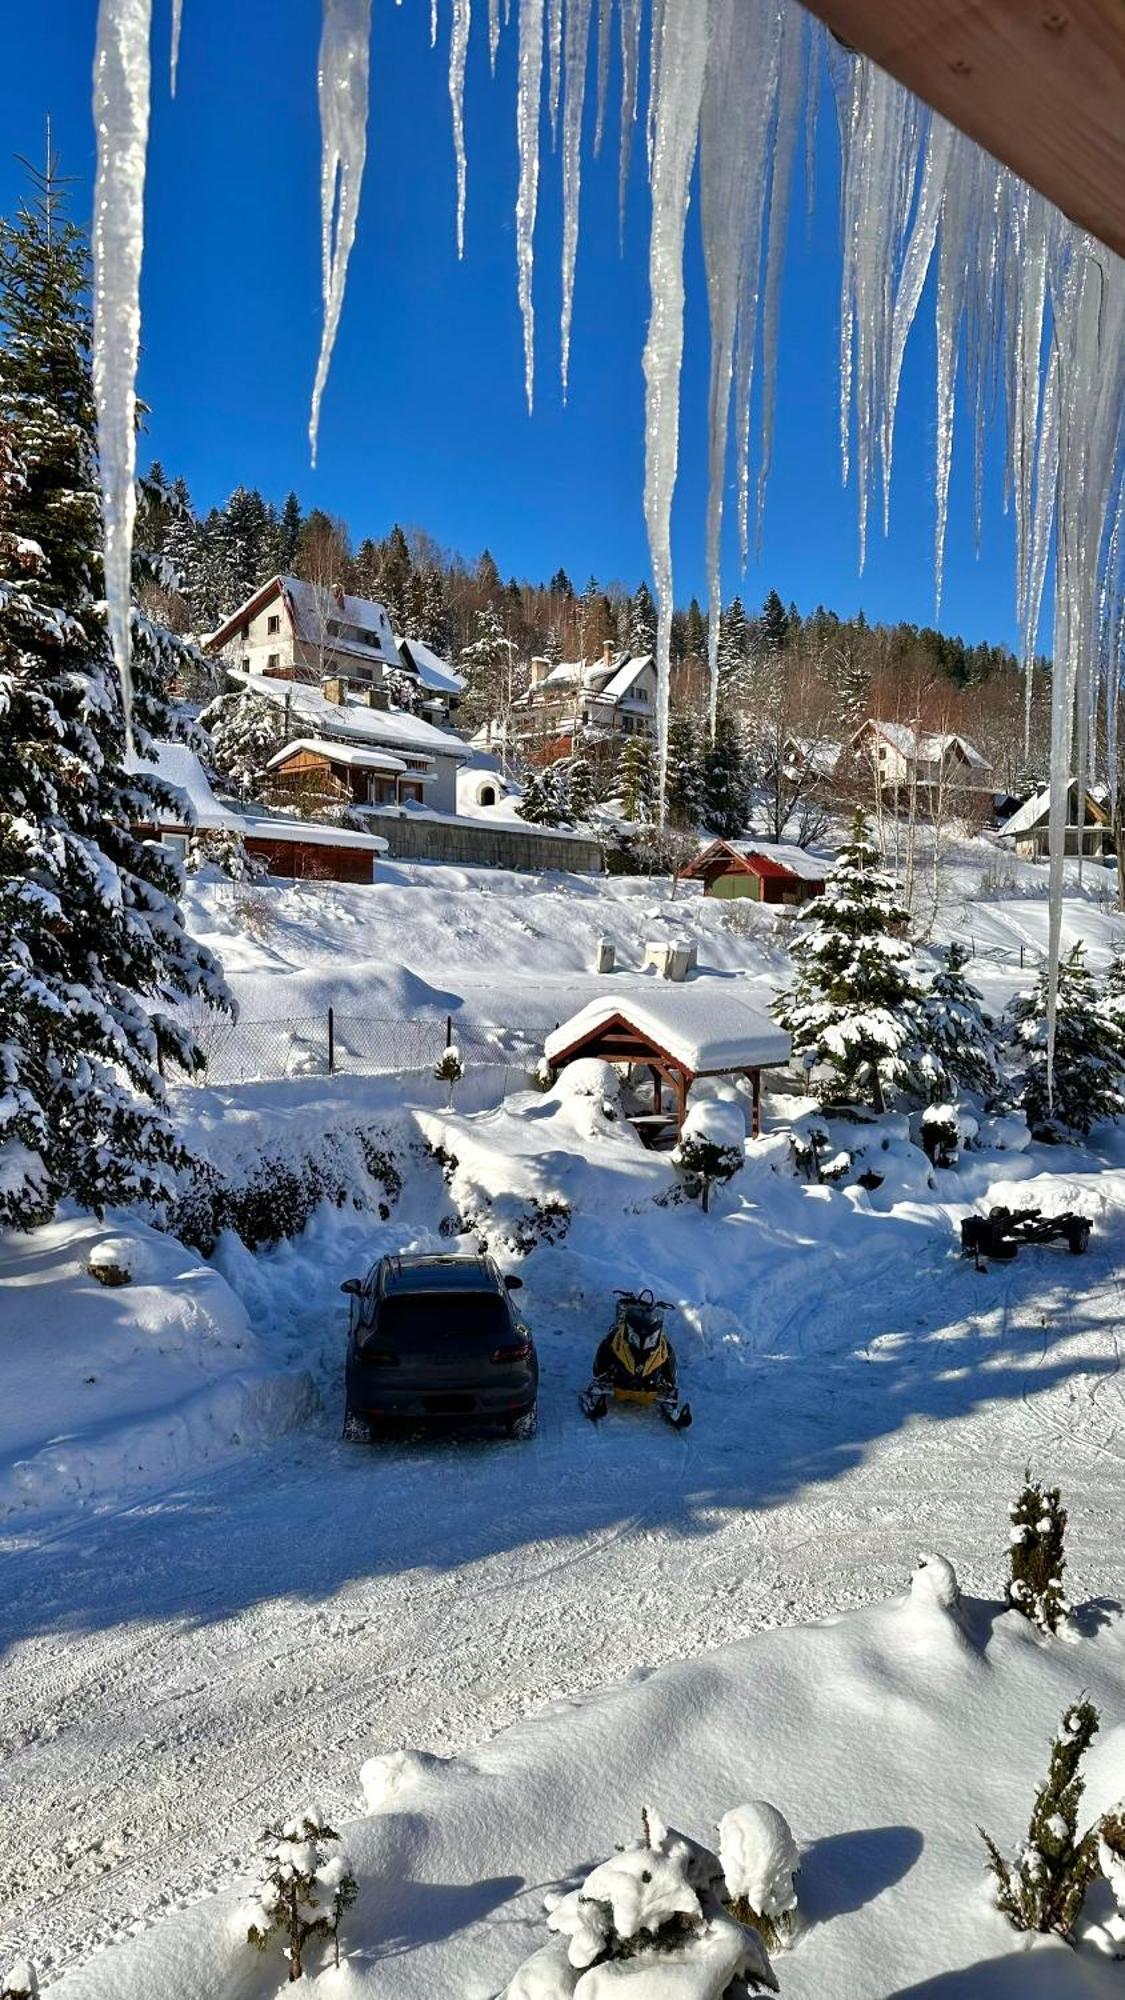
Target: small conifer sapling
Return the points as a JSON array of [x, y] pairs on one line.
[[1035, 1546], [450, 1069], [1043, 1888], [304, 1889]]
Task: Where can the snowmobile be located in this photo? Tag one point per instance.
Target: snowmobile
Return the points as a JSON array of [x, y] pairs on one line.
[[635, 1363], [998, 1234]]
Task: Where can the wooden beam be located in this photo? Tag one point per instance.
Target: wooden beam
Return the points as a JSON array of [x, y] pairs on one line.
[[1039, 83]]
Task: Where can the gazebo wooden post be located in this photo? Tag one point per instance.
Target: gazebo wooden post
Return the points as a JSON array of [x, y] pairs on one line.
[[756, 1101], [682, 1081], [657, 1088]]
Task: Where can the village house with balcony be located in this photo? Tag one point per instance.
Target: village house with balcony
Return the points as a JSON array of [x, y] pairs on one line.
[[581, 702]]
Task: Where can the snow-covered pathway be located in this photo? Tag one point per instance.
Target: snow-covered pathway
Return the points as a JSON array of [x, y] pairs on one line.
[[178, 1671]]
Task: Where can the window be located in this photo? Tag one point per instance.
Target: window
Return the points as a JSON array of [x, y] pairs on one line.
[[245, 665], [176, 843], [273, 624], [272, 660]]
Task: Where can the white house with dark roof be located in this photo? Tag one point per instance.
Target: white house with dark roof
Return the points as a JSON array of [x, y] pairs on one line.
[[335, 714], [295, 630], [586, 700]]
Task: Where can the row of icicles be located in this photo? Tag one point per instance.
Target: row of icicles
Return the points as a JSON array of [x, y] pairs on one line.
[[1030, 311]]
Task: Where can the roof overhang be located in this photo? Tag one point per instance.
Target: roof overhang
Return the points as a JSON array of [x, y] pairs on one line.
[[1041, 87]]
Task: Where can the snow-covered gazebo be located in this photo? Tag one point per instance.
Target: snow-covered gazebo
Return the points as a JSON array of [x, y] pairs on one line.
[[707, 1028]]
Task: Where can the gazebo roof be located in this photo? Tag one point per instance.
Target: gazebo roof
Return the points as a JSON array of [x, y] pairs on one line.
[[708, 1026]]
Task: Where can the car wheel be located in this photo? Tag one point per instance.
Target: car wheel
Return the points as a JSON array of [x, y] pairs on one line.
[[525, 1426], [357, 1430]]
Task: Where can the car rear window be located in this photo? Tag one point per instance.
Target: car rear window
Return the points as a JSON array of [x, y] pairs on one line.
[[462, 1320]]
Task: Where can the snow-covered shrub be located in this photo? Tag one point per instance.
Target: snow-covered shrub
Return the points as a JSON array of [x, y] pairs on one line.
[[1043, 1887], [760, 1861], [960, 1049], [275, 1198], [711, 1148], [306, 1885], [935, 1582], [222, 848], [543, 1075], [1035, 1547], [19, 1982], [450, 1069], [111, 1261], [1087, 1080], [1110, 1832], [654, 1907], [941, 1134]]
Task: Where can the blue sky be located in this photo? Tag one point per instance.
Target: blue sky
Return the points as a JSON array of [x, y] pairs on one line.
[[424, 419]]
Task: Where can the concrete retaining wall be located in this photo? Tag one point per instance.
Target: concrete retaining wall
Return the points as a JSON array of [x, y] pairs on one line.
[[475, 843]]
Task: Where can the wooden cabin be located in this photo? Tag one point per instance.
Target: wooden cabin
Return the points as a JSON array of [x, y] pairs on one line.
[[348, 773], [705, 1029], [768, 872]]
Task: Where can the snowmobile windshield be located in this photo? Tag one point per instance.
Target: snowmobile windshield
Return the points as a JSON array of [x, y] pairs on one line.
[[643, 1327]]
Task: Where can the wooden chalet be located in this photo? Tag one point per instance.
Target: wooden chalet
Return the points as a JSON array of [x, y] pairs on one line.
[[704, 1029], [768, 872], [348, 773]]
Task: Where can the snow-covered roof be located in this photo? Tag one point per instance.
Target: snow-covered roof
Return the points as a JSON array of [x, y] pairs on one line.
[[707, 1025], [820, 753], [1035, 811], [352, 754], [625, 678], [810, 867], [606, 680], [353, 717], [928, 746], [330, 619], [308, 832], [179, 767], [433, 672]]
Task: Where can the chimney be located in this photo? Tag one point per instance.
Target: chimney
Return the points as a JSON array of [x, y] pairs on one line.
[[609, 653], [377, 697], [334, 690], [539, 671]]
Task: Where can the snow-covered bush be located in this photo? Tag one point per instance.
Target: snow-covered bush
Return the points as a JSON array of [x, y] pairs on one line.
[[1087, 1079], [450, 1069], [19, 1982], [1035, 1546], [222, 848], [1110, 1832], [653, 1908], [306, 1885], [941, 1134], [1043, 1887], [274, 1199], [711, 1148], [855, 1001], [760, 1861], [960, 1049]]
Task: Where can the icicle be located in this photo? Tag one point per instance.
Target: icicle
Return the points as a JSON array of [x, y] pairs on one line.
[[433, 23], [680, 65], [122, 62], [766, 39], [458, 52], [554, 55], [790, 82], [577, 48], [812, 117], [605, 24], [493, 32], [915, 265], [630, 75], [342, 80], [528, 107], [177, 25]]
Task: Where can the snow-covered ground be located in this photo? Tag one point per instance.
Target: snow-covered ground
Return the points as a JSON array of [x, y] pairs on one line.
[[219, 1642]]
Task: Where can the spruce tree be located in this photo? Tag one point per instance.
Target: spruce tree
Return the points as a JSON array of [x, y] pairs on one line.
[[725, 801], [486, 663], [1085, 1084], [304, 1889], [773, 624], [684, 796], [246, 730], [734, 642], [92, 943], [1035, 1552], [641, 635], [854, 1003], [960, 1045], [636, 779], [533, 806], [289, 537], [1044, 1887], [580, 787]]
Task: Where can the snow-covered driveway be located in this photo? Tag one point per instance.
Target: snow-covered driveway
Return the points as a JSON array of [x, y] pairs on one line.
[[176, 1672]]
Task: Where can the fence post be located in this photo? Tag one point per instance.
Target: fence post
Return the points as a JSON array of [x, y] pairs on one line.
[[331, 1042], [449, 1031], [1021, 958]]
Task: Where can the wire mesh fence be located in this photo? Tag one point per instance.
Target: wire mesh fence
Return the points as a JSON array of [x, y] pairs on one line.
[[330, 1043]]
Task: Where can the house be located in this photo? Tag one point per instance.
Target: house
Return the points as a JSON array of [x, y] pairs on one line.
[[294, 630], [1028, 829], [704, 1029], [344, 773], [816, 755], [584, 702], [766, 871], [299, 850], [931, 766], [334, 713], [441, 686]]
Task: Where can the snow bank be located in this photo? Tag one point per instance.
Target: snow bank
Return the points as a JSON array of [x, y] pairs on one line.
[[112, 1388], [885, 1735]]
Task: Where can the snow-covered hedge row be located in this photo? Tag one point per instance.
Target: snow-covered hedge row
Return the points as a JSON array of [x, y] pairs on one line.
[[273, 1195]]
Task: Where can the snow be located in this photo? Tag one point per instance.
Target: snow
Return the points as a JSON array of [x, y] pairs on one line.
[[354, 718], [705, 1025], [798, 860], [719, 1122], [351, 754], [433, 672], [310, 607], [759, 1857], [175, 765]]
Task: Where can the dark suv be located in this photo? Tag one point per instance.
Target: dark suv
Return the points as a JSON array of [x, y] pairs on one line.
[[437, 1339]]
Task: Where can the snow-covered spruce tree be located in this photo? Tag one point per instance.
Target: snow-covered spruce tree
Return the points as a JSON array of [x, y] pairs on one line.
[[19, 1982], [960, 1047], [304, 1889], [1110, 1837], [245, 731], [1043, 1888], [711, 1148], [1088, 1080], [534, 805], [855, 1000], [760, 1863], [486, 663], [1035, 1551], [92, 943], [450, 1070], [636, 780], [725, 801], [580, 788], [685, 772], [655, 1909]]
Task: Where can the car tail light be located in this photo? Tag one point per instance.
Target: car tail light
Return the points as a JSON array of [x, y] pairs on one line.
[[380, 1357], [519, 1350]]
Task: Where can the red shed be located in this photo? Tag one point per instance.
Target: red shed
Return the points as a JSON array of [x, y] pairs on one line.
[[767, 871]]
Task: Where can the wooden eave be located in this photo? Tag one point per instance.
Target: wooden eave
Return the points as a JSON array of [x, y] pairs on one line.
[[1040, 84]]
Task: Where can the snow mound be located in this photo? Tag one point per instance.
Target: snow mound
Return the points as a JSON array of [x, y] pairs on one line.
[[717, 1121], [383, 1779], [759, 1857]]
